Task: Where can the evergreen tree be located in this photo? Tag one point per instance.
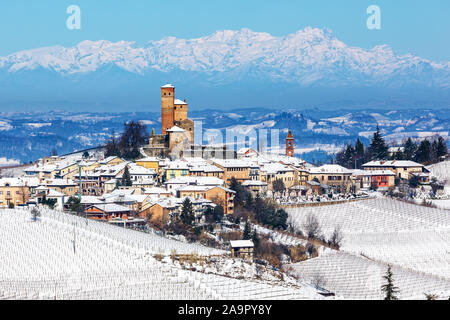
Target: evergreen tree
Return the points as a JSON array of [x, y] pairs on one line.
[[410, 149], [359, 154], [247, 232], [389, 289], [126, 178], [441, 148], [241, 194], [255, 238], [349, 156], [278, 185], [423, 153], [74, 204], [187, 212], [249, 201], [378, 148], [259, 208], [218, 213]]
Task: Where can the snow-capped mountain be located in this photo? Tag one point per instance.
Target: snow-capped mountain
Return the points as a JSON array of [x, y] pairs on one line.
[[308, 57]]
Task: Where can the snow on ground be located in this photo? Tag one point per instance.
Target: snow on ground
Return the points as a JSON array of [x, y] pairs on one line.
[[355, 277], [441, 170], [442, 204], [413, 238], [61, 256]]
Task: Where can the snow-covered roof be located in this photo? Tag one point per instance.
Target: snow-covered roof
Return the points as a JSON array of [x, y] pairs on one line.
[[155, 190], [249, 183], [175, 129], [177, 165], [241, 244], [59, 182], [90, 200], [149, 159], [194, 188], [205, 181], [135, 169], [111, 207], [231, 163], [178, 101], [12, 182], [330, 168], [379, 173], [55, 194], [393, 163], [276, 167]]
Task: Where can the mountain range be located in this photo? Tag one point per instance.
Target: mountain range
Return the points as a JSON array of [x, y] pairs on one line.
[[228, 69]]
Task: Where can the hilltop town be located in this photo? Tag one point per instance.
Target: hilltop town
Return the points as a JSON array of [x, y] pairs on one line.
[[261, 208]]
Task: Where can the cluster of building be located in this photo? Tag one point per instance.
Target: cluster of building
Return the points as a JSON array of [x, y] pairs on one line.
[[159, 184]]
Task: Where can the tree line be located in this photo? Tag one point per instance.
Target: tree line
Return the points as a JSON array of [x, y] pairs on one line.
[[425, 152]]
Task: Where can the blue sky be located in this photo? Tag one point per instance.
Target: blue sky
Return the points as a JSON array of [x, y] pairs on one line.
[[409, 26]]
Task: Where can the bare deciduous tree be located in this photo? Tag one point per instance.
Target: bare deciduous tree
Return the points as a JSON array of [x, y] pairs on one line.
[[318, 281], [35, 214], [312, 226], [337, 237]]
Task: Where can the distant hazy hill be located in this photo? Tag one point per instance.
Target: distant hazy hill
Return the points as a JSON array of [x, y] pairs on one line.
[[27, 136]]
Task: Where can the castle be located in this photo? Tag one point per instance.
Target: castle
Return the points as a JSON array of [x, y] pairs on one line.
[[177, 130]]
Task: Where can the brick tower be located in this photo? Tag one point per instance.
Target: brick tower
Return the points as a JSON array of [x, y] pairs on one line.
[[290, 144], [167, 107]]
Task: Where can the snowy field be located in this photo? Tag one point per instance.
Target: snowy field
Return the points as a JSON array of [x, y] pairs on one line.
[[67, 257], [381, 231], [441, 171], [442, 204]]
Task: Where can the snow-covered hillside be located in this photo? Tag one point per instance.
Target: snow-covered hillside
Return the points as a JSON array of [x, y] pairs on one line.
[[381, 231], [66, 257]]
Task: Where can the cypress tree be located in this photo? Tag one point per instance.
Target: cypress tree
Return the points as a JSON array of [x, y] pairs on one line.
[[423, 153], [255, 238], [187, 212], [126, 178], [378, 147], [247, 233], [389, 288], [441, 148], [410, 149]]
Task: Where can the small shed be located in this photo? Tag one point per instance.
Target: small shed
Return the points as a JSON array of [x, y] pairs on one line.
[[242, 249]]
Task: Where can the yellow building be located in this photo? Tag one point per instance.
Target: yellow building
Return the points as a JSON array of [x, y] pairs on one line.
[[332, 175], [402, 168], [149, 163], [112, 161], [276, 171], [232, 168], [176, 169], [13, 191]]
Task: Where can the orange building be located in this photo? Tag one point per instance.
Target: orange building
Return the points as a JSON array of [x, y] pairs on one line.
[[224, 196], [290, 144], [107, 211], [167, 107], [174, 112]]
